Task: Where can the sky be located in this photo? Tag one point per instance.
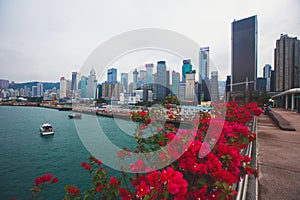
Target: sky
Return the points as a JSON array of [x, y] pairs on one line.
[[44, 40]]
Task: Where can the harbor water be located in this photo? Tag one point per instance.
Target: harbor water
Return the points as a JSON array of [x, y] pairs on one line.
[[25, 155]]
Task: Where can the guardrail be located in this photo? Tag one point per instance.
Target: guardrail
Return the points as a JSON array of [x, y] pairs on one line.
[[242, 186]]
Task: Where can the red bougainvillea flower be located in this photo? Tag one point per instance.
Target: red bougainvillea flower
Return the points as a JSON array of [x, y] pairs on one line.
[[55, 180], [45, 178], [113, 181], [85, 166], [73, 190], [143, 113], [99, 188], [98, 162], [142, 189], [125, 194], [138, 166]]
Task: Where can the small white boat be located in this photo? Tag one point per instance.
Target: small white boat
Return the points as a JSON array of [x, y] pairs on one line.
[[46, 129]]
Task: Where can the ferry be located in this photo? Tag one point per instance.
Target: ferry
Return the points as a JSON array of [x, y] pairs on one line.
[[46, 129]]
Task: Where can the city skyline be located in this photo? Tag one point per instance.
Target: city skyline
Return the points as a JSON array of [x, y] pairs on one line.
[[44, 44]]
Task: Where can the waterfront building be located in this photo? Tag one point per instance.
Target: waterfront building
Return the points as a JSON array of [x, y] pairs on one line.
[[63, 88], [4, 84], [267, 74], [149, 73], [261, 84], [228, 87], [112, 75], [40, 89], [205, 87], [287, 63], [214, 87], [203, 63], [272, 82], [74, 81], [99, 91], [83, 86], [112, 90], [135, 79], [34, 91], [186, 67], [124, 81], [92, 85], [143, 75], [168, 86], [181, 91], [175, 83], [244, 56], [190, 86], [161, 80]]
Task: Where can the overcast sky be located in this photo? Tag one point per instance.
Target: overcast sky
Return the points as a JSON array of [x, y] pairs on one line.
[[44, 40]]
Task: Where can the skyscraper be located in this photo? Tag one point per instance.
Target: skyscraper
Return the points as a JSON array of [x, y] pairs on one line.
[[149, 74], [186, 67], [214, 86], [267, 75], [74, 81], [143, 75], [161, 80], [203, 63], [92, 85], [40, 89], [83, 84], [124, 81], [190, 85], [135, 79], [287, 63], [175, 83], [63, 88], [112, 75], [34, 91], [244, 55]]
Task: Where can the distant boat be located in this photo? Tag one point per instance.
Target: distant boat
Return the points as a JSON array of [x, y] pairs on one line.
[[46, 129], [77, 116]]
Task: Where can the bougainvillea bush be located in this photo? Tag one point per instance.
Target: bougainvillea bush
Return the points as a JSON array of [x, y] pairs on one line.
[[204, 163]]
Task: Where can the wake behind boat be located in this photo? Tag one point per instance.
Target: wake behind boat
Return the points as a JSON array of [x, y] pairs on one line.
[[46, 129]]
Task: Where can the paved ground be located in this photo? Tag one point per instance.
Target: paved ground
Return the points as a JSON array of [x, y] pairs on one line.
[[278, 158]]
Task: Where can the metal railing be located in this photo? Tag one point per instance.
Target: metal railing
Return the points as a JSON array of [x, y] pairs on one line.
[[242, 186]]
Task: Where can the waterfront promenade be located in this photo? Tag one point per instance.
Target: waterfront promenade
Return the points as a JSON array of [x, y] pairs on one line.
[[278, 158]]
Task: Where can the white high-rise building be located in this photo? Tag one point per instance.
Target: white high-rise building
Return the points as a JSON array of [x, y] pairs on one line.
[[92, 85], [63, 88], [40, 89], [203, 63]]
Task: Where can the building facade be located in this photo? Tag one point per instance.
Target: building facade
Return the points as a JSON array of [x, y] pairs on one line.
[[190, 86], [203, 63], [161, 79], [175, 83], [287, 63], [214, 87], [124, 81], [244, 55], [267, 74], [149, 73], [112, 75], [186, 67], [92, 85]]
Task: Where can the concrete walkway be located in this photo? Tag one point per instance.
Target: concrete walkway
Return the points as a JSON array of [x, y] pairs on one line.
[[278, 158]]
